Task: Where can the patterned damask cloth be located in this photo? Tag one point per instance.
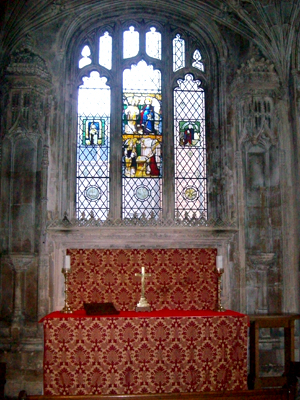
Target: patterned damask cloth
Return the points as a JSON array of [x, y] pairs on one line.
[[117, 355], [182, 279]]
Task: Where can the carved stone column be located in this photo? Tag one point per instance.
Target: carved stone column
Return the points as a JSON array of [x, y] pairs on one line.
[[20, 263]]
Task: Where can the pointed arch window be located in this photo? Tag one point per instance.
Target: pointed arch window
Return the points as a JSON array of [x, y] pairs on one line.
[[125, 167]]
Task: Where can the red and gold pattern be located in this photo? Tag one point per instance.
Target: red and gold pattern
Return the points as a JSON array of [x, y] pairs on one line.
[[182, 279], [135, 353]]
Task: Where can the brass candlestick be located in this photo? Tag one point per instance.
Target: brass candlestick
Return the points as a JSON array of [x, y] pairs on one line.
[[67, 308], [219, 306], [143, 304]]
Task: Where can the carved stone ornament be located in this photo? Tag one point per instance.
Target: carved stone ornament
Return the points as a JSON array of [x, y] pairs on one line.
[[26, 63], [257, 72], [91, 222], [261, 260], [20, 262]]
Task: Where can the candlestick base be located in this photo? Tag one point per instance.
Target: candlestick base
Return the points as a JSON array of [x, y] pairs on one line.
[[142, 309], [220, 308], [143, 305], [67, 310]]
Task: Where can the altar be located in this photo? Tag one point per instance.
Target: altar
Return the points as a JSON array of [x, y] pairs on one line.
[[165, 351], [181, 345]]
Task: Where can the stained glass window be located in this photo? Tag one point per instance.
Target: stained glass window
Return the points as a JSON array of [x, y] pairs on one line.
[[142, 137], [190, 149], [130, 43], [153, 43], [126, 121], [92, 195], [105, 50], [178, 53]]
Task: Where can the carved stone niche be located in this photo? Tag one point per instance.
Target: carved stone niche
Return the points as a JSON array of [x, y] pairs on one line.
[[260, 263]]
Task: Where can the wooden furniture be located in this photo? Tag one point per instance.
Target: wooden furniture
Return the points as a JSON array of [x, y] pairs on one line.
[[262, 394], [293, 377], [166, 351], [2, 379], [286, 321]]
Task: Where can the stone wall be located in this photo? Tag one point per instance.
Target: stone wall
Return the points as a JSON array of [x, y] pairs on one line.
[[253, 169]]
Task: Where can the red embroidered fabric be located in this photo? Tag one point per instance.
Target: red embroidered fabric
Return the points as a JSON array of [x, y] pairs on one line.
[[133, 353], [182, 279]]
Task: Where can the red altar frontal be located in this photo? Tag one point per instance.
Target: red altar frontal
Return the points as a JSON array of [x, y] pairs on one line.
[[164, 351]]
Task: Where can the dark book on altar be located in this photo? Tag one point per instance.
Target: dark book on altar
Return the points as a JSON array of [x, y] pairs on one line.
[[100, 309]]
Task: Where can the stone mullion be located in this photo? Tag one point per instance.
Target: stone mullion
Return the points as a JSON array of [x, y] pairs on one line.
[[115, 181], [168, 181]]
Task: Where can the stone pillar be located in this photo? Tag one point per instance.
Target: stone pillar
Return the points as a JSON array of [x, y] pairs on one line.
[[20, 263]]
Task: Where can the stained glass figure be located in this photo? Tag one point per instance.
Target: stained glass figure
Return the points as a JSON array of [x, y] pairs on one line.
[[153, 43], [189, 133], [190, 149], [178, 53], [93, 131], [105, 50], [130, 43], [85, 57], [92, 194], [197, 63]]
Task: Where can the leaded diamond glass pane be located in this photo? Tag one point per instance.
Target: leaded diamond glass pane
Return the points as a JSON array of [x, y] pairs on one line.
[[105, 50], [130, 43], [190, 149], [92, 194], [142, 137], [178, 53], [153, 44]]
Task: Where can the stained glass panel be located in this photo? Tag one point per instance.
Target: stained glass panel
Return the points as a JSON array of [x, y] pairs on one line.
[[190, 149], [178, 53], [92, 194], [142, 137]]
